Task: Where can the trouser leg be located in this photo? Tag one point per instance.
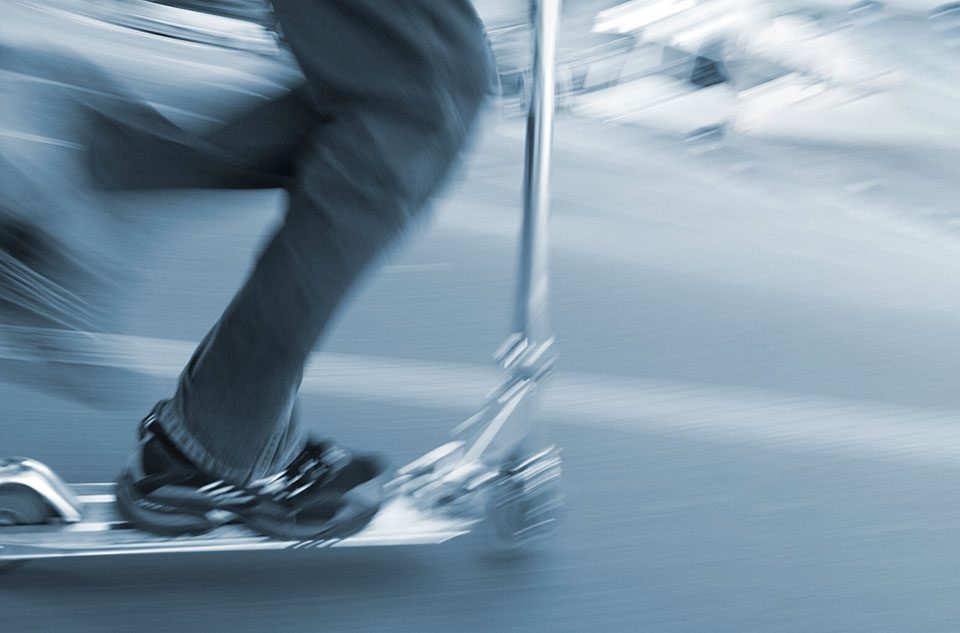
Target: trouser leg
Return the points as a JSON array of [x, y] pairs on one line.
[[401, 108]]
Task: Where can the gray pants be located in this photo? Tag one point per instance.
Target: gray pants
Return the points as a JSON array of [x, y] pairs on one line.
[[392, 90]]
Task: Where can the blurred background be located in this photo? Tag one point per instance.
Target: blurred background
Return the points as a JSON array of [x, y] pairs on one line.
[[756, 295]]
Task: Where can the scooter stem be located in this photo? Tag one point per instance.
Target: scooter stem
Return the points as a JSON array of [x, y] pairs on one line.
[[528, 353], [496, 435], [531, 318]]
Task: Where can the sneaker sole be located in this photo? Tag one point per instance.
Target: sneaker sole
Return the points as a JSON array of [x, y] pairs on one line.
[[360, 505], [154, 517]]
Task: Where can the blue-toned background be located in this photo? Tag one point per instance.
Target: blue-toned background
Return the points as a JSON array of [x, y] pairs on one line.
[[756, 273]]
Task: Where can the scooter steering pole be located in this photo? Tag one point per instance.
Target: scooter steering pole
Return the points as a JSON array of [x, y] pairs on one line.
[[528, 352], [531, 319]]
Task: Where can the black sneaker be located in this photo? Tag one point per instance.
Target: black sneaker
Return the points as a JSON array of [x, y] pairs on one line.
[[324, 493]]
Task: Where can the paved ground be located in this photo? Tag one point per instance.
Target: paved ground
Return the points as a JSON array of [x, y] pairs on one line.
[[757, 402]]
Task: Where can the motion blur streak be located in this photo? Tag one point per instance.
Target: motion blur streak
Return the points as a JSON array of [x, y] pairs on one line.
[[756, 293]]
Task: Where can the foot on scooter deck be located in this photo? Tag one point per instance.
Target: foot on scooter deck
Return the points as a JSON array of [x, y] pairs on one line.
[[431, 501], [102, 532]]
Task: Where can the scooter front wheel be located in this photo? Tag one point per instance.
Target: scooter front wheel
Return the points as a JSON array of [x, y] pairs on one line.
[[524, 504]]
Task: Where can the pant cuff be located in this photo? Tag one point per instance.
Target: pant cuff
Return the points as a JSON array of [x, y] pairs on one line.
[[202, 457]]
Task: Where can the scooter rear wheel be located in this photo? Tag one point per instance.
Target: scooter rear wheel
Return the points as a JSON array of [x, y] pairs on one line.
[[19, 505]]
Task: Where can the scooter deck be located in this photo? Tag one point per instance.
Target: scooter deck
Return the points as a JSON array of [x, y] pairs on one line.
[[103, 533]]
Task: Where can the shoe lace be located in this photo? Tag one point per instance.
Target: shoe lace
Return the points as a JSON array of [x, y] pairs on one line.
[[316, 465]]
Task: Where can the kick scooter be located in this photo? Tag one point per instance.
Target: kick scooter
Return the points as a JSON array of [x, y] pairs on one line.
[[495, 472]]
